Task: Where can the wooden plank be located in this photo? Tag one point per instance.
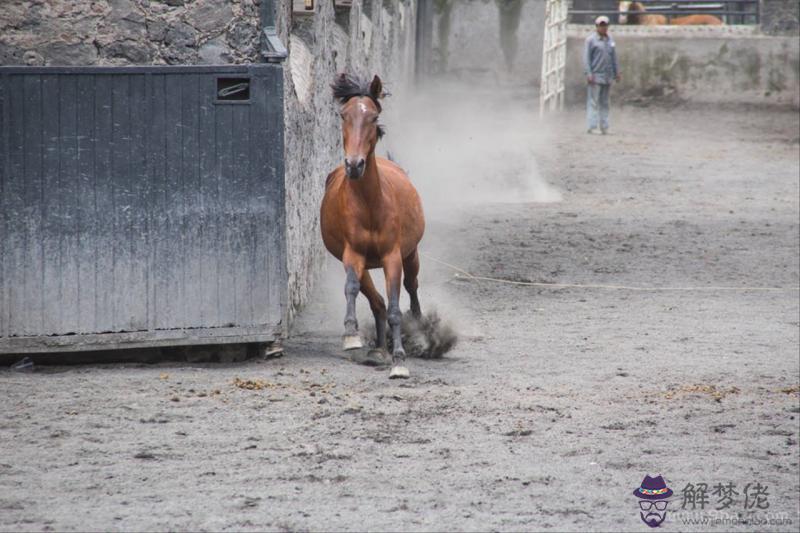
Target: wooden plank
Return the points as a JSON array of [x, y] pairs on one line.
[[157, 164], [31, 309], [271, 122], [130, 69], [138, 339], [5, 165], [68, 191], [104, 220], [138, 188], [242, 219], [277, 214], [121, 202], [51, 222], [169, 260], [260, 273], [85, 204], [226, 280], [191, 232], [209, 202], [15, 212]]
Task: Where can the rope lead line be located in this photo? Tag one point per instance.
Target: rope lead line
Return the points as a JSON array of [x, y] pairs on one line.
[[598, 286]]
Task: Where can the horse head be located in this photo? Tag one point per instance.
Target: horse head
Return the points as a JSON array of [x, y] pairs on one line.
[[359, 112], [629, 12], [624, 6]]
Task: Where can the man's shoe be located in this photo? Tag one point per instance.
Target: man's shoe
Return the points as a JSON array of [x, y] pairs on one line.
[[590, 131], [603, 130]]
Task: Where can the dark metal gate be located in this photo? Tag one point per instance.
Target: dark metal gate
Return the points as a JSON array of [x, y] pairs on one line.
[[141, 206]]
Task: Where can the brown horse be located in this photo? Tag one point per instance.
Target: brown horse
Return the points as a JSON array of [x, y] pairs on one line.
[[697, 20], [371, 217], [635, 13]]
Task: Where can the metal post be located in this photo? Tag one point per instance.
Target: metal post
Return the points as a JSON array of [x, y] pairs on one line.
[[274, 51]]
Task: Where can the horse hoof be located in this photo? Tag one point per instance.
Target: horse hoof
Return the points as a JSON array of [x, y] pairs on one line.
[[399, 372], [372, 358], [352, 342]]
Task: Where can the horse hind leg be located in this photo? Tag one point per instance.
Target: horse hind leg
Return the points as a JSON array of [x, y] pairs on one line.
[[410, 281]]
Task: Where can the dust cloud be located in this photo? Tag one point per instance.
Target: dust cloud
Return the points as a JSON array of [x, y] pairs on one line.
[[466, 145]]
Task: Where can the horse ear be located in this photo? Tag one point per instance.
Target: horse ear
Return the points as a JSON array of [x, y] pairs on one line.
[[376, 88]]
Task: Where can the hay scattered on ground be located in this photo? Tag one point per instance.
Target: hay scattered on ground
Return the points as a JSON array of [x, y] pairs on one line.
[[426, 338], [250, 384], [717, 393]]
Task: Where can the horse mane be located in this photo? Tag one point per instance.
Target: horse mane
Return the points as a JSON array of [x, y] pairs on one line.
[[347, 86]]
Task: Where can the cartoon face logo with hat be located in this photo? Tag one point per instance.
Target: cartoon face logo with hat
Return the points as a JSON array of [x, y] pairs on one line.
[[653, 500]]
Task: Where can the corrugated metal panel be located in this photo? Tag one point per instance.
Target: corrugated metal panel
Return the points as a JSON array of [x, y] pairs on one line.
[[131, 199]]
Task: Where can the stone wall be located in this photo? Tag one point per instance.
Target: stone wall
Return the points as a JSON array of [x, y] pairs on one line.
[[125, 32], [702, 64], [490, 39], [371, 37]]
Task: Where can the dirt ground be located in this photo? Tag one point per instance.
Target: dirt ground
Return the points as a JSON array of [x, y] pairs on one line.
[[549, 412]]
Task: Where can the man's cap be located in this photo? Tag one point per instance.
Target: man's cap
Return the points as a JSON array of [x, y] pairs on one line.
[[602, 19]]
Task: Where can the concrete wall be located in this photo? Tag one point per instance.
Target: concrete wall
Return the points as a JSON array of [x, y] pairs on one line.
[[703, 64], [124, 32], [372, 37], [780, 17], [499, 39]]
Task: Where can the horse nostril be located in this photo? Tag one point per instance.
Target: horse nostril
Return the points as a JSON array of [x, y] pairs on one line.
[[354, 168]]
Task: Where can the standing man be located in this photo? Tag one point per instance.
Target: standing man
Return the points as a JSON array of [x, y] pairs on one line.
[[600, 67]]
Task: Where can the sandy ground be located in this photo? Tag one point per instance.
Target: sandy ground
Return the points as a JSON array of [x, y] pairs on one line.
[[549, 412]]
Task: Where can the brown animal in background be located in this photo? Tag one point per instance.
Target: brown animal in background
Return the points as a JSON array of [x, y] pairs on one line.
[[635, 13], [697, 20], [371, 217]]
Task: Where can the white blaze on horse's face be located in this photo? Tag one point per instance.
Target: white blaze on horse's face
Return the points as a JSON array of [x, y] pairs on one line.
[[623, 9], [359, 134]]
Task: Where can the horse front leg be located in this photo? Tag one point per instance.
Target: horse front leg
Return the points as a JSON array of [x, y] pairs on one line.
[[354, 268], [378, 355], [393, 271]]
